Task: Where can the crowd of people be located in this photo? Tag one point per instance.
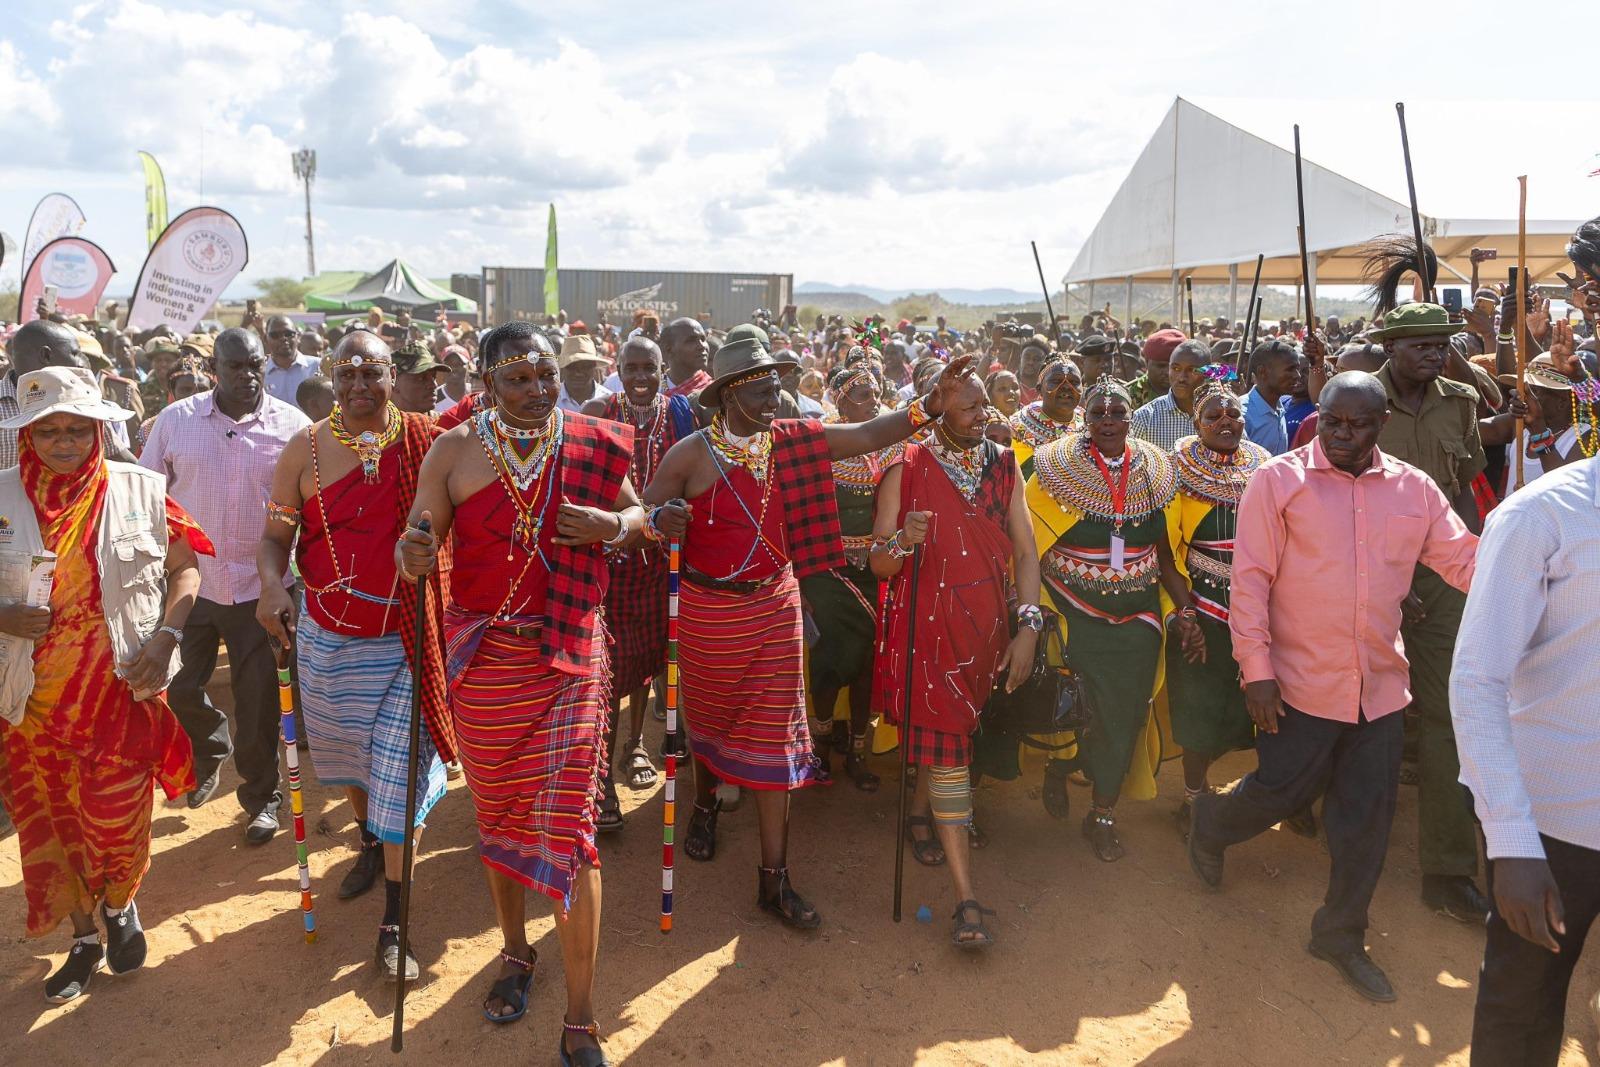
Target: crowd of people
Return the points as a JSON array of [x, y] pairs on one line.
[[1174, 544]]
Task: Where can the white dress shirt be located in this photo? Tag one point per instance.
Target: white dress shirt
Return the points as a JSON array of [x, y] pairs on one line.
[[1525, 684]]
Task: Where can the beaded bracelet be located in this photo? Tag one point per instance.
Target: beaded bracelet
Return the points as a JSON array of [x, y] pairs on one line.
[[919, 414], [896, 547], [652, 532], [283, 513]]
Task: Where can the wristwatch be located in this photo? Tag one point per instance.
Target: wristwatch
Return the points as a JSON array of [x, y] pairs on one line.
[[177, 634]]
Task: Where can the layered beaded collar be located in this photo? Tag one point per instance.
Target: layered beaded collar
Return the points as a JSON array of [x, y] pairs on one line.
[[1067, 470], [1216, 477]]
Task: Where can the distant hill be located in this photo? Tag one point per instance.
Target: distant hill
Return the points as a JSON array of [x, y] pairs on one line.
[[975, 297]]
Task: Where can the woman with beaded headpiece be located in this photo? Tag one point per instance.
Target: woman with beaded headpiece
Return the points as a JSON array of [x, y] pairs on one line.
[[1054, 415], [843, 601], [1100, 505], [1209, 718]]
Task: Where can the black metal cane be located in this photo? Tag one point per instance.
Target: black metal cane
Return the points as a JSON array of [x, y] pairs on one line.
[[905, 734], [397, 1041]]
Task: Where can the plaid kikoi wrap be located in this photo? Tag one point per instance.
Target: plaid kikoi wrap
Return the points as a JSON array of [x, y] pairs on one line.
[[804, 469], [936, 748], [532, 746], [418, 435]]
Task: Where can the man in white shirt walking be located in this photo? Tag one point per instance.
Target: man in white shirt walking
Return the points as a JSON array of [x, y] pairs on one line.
[[1527, 722]]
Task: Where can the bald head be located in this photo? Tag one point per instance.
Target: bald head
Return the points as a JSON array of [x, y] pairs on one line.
[[1355, 392], [236, 341], [43, 343], [364, 343]]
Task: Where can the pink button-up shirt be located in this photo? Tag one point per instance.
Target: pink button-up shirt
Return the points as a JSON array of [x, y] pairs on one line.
[[1322, 561]]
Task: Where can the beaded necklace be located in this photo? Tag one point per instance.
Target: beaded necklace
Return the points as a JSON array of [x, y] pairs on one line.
[[1033, 427], [753, 453], [517, 474], [861, 474], [367, 445], [964, 466], [652, 420], [1216, 477], [757, 521], [340, 583], [1585, 395], [1069, 472]]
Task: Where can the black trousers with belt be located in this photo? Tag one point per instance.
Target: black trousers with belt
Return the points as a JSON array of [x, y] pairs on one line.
[[1522, 989], [253, 678], [1356, 768]]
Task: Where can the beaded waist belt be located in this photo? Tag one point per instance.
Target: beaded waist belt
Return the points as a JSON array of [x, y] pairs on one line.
[[1091, 568], [1205, 563]]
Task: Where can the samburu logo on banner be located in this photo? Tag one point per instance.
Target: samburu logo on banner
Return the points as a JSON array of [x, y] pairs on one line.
[[71, 271], [207, 251], [639, 300]]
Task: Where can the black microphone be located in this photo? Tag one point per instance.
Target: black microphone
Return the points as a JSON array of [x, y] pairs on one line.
[[231, 433]]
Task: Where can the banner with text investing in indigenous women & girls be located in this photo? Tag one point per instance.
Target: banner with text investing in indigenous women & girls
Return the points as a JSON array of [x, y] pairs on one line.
[[192, 262]]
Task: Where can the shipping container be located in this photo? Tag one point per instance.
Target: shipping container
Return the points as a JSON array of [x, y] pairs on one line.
[[719, 300], [468, 285]]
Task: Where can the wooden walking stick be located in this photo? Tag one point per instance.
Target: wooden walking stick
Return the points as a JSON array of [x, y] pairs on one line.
[[1522, 314], [397, 1040], [669, 791], [1300, 206], [291, 750], [905, 732], [1416, 216], [1188, 292], [1252, 309], [1051, 332]]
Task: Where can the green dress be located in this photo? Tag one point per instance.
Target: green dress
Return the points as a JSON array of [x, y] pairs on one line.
[[1206, 701]]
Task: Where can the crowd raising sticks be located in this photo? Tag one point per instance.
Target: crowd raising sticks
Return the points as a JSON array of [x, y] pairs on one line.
[[1128, 544]]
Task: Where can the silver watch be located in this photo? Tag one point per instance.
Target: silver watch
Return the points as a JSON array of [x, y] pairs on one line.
[[177, 634]]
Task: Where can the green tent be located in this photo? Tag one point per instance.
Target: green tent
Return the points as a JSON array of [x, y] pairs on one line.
[[395, 286]]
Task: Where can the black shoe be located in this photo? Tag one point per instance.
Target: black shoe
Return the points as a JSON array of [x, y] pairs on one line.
[[70, 982], [1455, 896], [1357, 968], [363, 872], [263, 826], [125, 945], [1184, 817], [204, 791], [1302, 823], [389, 956], [1204, 862]]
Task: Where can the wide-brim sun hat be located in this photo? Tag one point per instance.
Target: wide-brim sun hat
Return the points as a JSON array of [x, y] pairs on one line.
[[1416, 320], [737, 360], [61, 390]]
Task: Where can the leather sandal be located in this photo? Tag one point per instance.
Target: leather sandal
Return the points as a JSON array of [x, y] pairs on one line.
[[785, 903], [925, 850], [511, 989], [583, 1057], [1100, 827], [700, 843], [962, 926]]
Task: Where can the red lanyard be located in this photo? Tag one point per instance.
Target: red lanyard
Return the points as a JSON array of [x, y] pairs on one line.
[[1119, 490]]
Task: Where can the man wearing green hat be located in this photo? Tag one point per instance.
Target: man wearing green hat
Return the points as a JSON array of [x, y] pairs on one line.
[[417, 378], [162, 354], [1434, 426]]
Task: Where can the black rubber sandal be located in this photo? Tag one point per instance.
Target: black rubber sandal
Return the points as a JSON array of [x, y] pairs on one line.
[[511, 989], [641, 772], [700, 843], [609, 820], [1101, 830], [855, 767], [786, 904], [984, 938], [924, 849]]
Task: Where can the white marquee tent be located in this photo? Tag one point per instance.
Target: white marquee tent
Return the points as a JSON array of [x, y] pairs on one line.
[[1205, 197]]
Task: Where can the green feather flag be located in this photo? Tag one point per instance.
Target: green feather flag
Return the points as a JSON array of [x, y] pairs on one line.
[[552, 284]]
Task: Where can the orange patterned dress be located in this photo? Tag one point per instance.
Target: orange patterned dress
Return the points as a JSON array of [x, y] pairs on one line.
[[76, 772]]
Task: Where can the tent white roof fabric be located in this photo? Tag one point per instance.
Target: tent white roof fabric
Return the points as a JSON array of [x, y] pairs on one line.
[[1205, 195]]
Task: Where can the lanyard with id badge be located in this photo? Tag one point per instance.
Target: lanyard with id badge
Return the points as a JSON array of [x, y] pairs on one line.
[[1119, 502]]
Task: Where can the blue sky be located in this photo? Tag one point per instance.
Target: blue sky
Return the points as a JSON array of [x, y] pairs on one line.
[[895, 144]]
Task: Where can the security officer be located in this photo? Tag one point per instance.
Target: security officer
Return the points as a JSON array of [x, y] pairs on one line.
[[1433, 425]]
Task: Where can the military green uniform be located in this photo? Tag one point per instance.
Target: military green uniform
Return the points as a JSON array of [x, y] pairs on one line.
[[1441, 438]]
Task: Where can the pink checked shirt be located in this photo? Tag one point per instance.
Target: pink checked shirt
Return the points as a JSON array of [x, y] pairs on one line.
[[1322, 561]]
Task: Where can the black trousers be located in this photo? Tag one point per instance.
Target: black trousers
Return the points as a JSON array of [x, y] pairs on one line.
[[1522, 989], [1356, 767], [253, 679]]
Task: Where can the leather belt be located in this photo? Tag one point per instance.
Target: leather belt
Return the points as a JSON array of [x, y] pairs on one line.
[[729, 585], [529, 631]]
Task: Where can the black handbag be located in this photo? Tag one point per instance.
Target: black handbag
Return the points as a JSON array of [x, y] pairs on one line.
[[1052, 700]]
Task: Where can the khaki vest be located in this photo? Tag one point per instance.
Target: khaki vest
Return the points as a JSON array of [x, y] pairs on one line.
[[132, 554]]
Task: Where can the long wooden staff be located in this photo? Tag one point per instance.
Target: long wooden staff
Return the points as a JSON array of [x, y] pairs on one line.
[[1188, 292], [905, 732], [1051, 332], [669, 809], [1416, 216], [1305, 260], [1522, 312], [291, 750], [1251, 309], [397, 1039]]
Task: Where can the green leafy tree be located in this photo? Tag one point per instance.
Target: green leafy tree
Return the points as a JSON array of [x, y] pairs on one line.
[[283, 292], [9, 297]]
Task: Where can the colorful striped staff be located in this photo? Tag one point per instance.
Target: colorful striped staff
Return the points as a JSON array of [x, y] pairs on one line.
[[296, 804], [669, 809]]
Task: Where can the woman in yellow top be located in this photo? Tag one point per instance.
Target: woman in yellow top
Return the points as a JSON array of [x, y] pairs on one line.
[[1208, 713], [1099, 503]]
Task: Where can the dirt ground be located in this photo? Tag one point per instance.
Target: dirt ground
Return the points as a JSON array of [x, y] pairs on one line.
[[1096, 964]]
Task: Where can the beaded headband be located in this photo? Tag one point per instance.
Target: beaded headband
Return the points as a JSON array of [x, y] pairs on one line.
[[360, 359], [1106, 385], [541, 350], [1207, 390]]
